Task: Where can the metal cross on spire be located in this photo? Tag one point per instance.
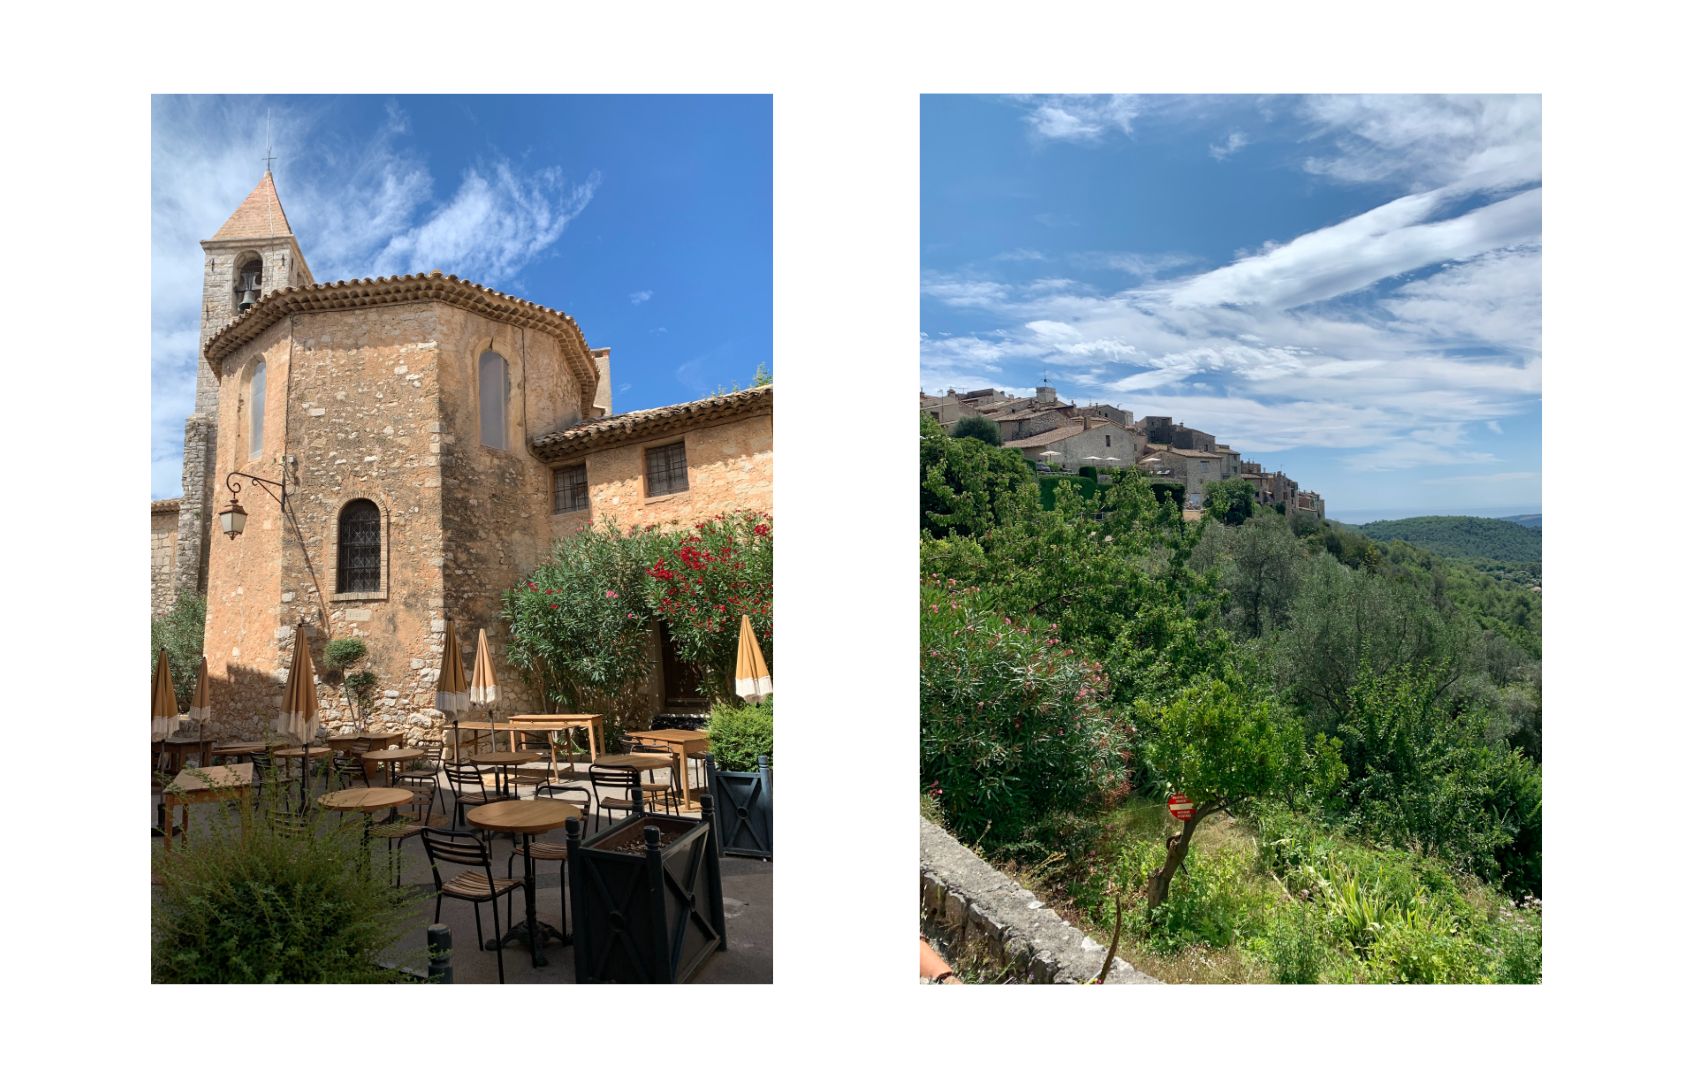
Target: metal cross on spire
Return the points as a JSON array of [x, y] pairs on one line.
[[269, 157]]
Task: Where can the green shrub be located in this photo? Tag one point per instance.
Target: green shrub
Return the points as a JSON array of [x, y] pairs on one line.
[[1296, 945], [1014, 726], [277, 906], [581, 626], [1518, 950], [182, 633], [1213, 900], [342, 652], [740, 735]]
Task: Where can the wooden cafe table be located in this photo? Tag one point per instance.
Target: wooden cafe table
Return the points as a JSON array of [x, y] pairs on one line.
[[368, 800], [683, 743], [594, 724], [526, 818], [391, 757], [227, 782], [503, 762]]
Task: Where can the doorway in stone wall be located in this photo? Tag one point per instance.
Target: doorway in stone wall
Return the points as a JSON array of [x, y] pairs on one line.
[[682, 680]]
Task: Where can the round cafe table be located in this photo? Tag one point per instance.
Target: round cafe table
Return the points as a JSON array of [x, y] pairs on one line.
[[391, 757], [503, 762], [526, 818], [368, 800]]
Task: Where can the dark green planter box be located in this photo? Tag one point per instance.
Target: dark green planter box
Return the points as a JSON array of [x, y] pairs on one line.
[[650, 917], [744, 814]]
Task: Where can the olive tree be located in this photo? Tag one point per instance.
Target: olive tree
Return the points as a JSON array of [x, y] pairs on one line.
[[1220, 747]]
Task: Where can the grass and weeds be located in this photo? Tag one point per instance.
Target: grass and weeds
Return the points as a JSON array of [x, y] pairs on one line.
[[1280, 899]]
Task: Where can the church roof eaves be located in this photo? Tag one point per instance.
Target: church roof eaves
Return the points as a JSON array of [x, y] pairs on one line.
[[168, 505], [433, 287], [607, 432]]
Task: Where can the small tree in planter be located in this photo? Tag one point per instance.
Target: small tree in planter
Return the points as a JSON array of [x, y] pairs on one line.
[[738, 774], [358, 687]]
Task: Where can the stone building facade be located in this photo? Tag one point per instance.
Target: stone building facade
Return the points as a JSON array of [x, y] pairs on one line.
[[406, 416], [164, 555]]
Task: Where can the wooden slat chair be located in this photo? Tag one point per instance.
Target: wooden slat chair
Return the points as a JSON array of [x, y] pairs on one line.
[[670, 792], [459, 848], [410, 821]]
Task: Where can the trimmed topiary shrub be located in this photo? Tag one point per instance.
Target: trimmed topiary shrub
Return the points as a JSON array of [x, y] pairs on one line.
[[740, 735]]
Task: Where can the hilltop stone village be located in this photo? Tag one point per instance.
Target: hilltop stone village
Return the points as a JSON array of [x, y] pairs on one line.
[[436, 437], [1059, 436]]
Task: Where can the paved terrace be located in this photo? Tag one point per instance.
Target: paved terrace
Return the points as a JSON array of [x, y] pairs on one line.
[[746, 903]]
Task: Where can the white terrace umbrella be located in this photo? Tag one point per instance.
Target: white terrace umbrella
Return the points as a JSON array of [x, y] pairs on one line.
[[452, 690], [482, 688]]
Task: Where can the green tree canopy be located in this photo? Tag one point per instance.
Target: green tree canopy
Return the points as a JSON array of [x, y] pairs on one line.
[[1231, 501], [978, 427]]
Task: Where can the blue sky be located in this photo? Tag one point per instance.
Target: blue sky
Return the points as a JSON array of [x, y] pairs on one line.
[[1345, 288], [647, 218]]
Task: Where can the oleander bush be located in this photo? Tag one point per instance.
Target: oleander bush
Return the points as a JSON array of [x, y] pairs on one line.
[[1015, 726], [182, 633]]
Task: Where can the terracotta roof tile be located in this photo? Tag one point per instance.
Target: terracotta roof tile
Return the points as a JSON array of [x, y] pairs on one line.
[[167, 505], [1046, 437], [260, 217], [613, 430], [433, 287]]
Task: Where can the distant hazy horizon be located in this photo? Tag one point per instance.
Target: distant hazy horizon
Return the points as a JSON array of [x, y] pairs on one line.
[[1370, 516]]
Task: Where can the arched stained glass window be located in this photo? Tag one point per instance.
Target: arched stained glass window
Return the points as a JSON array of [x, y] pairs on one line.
[[358, 561], [491, 391], [256, 401]]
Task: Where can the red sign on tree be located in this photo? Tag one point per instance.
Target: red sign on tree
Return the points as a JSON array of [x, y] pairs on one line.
[[1180, 807]]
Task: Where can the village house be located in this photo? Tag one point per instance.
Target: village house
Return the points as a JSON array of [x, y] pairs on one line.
[[1085, 442]]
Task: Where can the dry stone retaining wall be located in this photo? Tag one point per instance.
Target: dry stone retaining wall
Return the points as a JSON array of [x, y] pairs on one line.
[[968, 902]]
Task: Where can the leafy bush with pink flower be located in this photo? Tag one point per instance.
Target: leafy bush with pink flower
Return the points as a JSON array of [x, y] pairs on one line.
[[1015, 725], [701, 582], [580, 624]]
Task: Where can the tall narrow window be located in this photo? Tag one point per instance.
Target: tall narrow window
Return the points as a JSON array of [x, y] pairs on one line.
[[570, 488], [667, 470], [256, 403], [358, 560], [492, 390]]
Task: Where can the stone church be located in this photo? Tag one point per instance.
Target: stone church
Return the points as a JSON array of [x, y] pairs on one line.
[[436, 437]]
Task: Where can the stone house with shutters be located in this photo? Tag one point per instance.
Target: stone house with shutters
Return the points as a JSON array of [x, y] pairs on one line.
[[1068, 447], [436, 438]]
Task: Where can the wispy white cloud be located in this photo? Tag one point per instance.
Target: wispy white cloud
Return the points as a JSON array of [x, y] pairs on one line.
[[1228, 146], [1080, 117], [638, 298], [362, 204]]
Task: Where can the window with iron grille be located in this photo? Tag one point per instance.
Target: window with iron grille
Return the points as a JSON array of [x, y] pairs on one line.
[[570, 488], [358, 564], [667, 470]]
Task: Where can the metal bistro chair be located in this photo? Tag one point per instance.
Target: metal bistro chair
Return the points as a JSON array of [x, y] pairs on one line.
[[460, 848], [410, 820], [542, 850], [670, 792], [424, 773], [469, 791], [614, 788], [348, 769]]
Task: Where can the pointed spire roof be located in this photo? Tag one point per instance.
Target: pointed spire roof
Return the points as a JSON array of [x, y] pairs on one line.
[[260, 217]]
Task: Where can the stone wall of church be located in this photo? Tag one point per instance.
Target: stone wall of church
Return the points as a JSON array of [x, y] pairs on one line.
[[495, 501], [164, 560], [247, 639]]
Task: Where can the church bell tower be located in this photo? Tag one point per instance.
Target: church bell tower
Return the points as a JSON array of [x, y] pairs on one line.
[[252, 255]]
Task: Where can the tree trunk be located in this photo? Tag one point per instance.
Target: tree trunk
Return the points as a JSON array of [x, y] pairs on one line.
[[1175, 847]]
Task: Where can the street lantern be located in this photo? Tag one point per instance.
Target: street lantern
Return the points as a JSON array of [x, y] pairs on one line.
[[232, 519]]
